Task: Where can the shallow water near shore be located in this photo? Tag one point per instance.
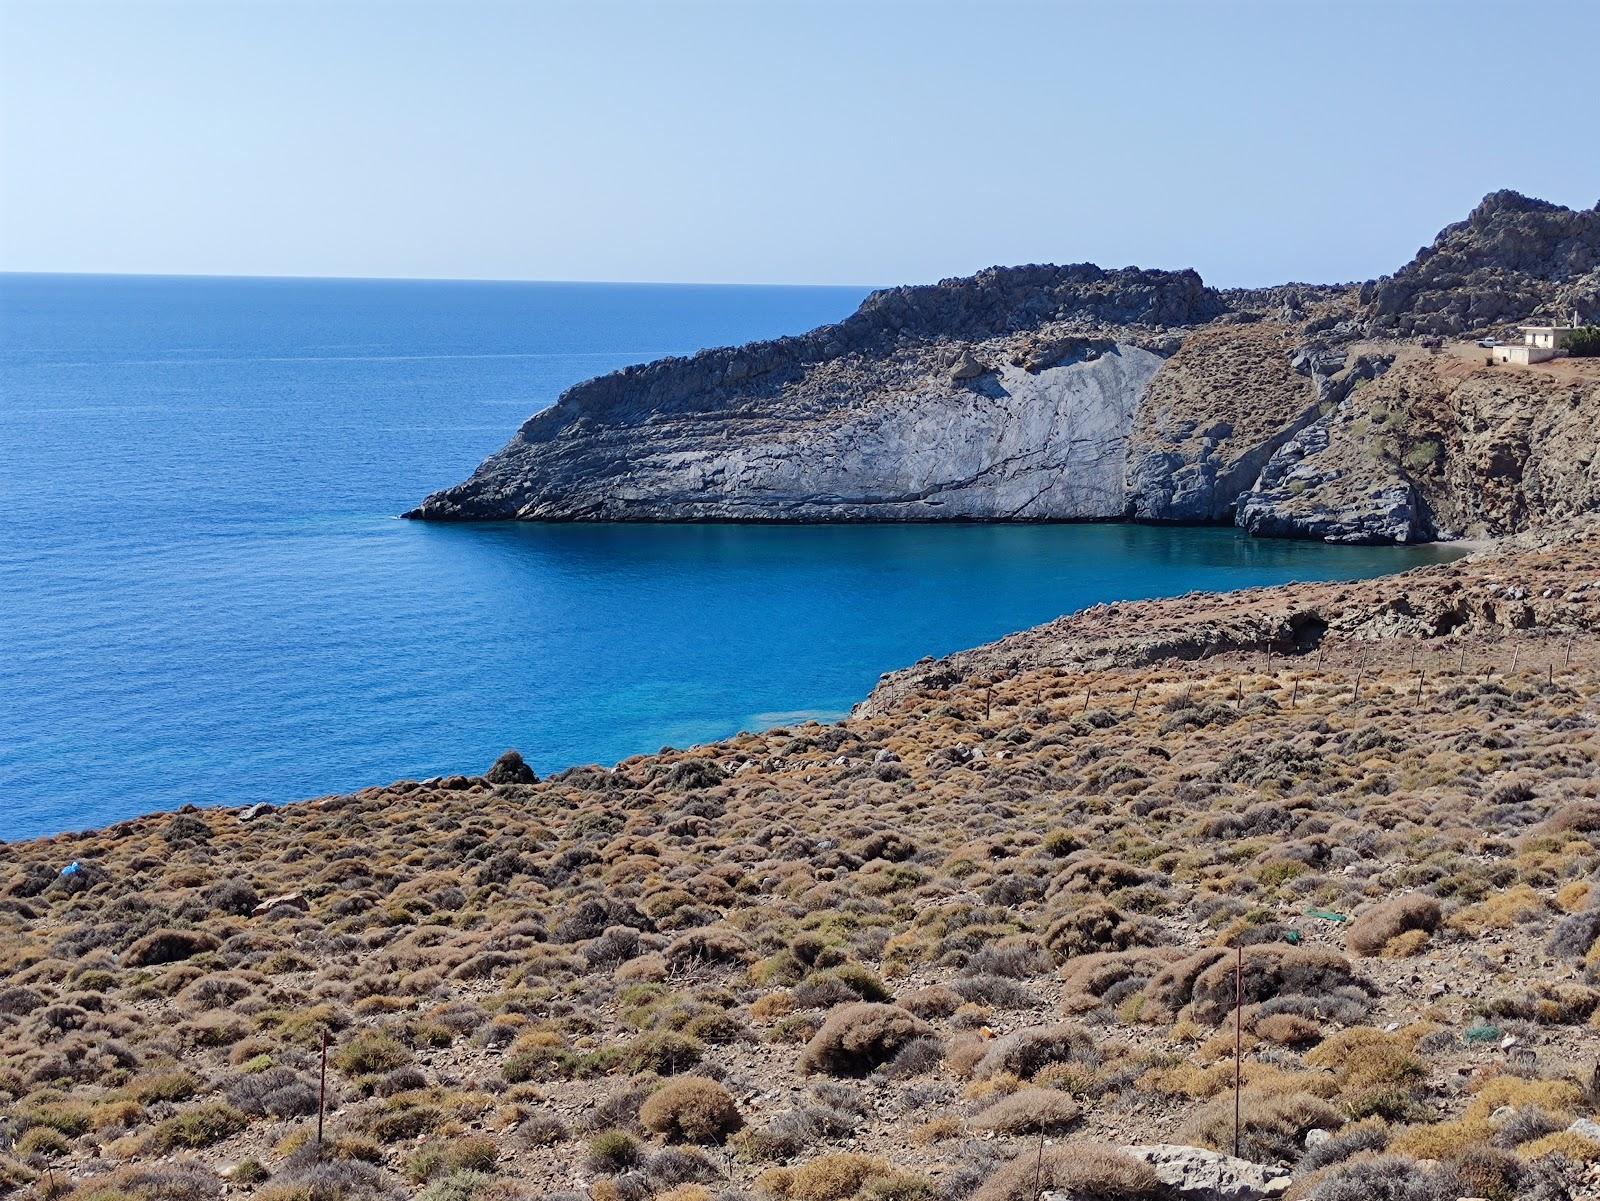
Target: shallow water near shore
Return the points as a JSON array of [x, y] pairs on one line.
[[205, 596]]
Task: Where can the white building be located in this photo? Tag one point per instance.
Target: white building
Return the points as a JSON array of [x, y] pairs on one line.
[[1539, 343]]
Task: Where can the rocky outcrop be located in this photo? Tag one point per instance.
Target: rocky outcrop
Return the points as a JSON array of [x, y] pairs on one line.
[[1529, 581], [1213, 417], [1006, 395], [978, 441], [1075, 393], [1438, 447], [1511, 259], [1196, 1174]]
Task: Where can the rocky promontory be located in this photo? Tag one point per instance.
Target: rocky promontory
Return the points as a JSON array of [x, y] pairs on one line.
[[1046, 393]]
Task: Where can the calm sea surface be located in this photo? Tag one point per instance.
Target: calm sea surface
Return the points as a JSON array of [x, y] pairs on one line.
[[205, 595]]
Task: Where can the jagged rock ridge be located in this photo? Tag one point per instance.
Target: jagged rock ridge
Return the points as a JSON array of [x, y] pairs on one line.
[[1512, 258]]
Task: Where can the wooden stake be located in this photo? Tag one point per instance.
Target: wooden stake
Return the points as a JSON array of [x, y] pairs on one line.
[[1420, 676], [1294, 694], [988, 697], [1136, 693], [1567, 660], [1515, 651], [1087, 690]]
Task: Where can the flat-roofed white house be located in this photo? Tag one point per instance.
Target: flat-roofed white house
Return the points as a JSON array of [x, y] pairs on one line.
[[1539, 343]]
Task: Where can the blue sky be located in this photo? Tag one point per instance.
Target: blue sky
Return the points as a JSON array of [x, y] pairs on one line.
[[763, 141]]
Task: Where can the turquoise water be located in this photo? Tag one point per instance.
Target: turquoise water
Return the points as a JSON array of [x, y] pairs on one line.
[[205, 596]]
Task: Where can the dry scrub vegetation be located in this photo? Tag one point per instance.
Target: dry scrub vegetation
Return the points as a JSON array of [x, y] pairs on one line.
[[880, 960]]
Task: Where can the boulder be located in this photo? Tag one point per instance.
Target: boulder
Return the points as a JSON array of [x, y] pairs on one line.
[[287, 900], [967, 367], [510, 768], [1195, 1174]]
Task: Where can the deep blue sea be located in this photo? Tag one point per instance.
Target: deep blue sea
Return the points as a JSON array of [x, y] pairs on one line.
[[205, 594]]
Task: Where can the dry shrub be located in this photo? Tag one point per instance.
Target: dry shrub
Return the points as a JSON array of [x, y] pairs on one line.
[[859, 1037], [168, 946], [1578, 817], [1171, 987], [1098, 875], [1022, 1054], [1404, 946], [187, 1181], [1271, 1128], [1269, 971], [1081, 1170], [1564, 1142], [1554, 1096], [1442, 1140], [936, 1130], [934, 1001], [1092, 980], [1375, 1178], [1288, 1029], [1486, 1172], [830, 1178], [1362, 1057], [1097, 927], [1503, 910], [1390, 919], [691, 1109], [1030, 1111], [712, 945]]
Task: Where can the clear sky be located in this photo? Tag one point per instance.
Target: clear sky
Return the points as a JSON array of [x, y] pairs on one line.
[[858, 141]]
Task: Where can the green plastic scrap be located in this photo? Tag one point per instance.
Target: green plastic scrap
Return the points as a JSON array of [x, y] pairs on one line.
[[1327, 915], [1483, 1034]]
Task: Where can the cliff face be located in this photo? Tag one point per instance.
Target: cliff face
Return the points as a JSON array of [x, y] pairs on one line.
[[1007, 395], [1439, 446], [1212, 417], [1066, 393], [910, 445]]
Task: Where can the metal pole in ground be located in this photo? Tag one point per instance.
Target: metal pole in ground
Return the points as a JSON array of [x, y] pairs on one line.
[[322, 1088], [1238, 1042]]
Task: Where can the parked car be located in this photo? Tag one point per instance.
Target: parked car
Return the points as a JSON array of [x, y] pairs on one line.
[[1488, 342]]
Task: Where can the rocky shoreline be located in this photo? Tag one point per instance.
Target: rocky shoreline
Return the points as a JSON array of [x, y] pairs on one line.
[[1075, 393]]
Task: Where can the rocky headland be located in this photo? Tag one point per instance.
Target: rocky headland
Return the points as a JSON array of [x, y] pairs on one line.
[[1075, 393]]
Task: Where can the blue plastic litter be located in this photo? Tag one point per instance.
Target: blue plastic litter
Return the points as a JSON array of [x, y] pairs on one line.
[[72, 869]]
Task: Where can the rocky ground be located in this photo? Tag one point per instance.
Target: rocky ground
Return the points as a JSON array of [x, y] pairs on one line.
[[976, 941]]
